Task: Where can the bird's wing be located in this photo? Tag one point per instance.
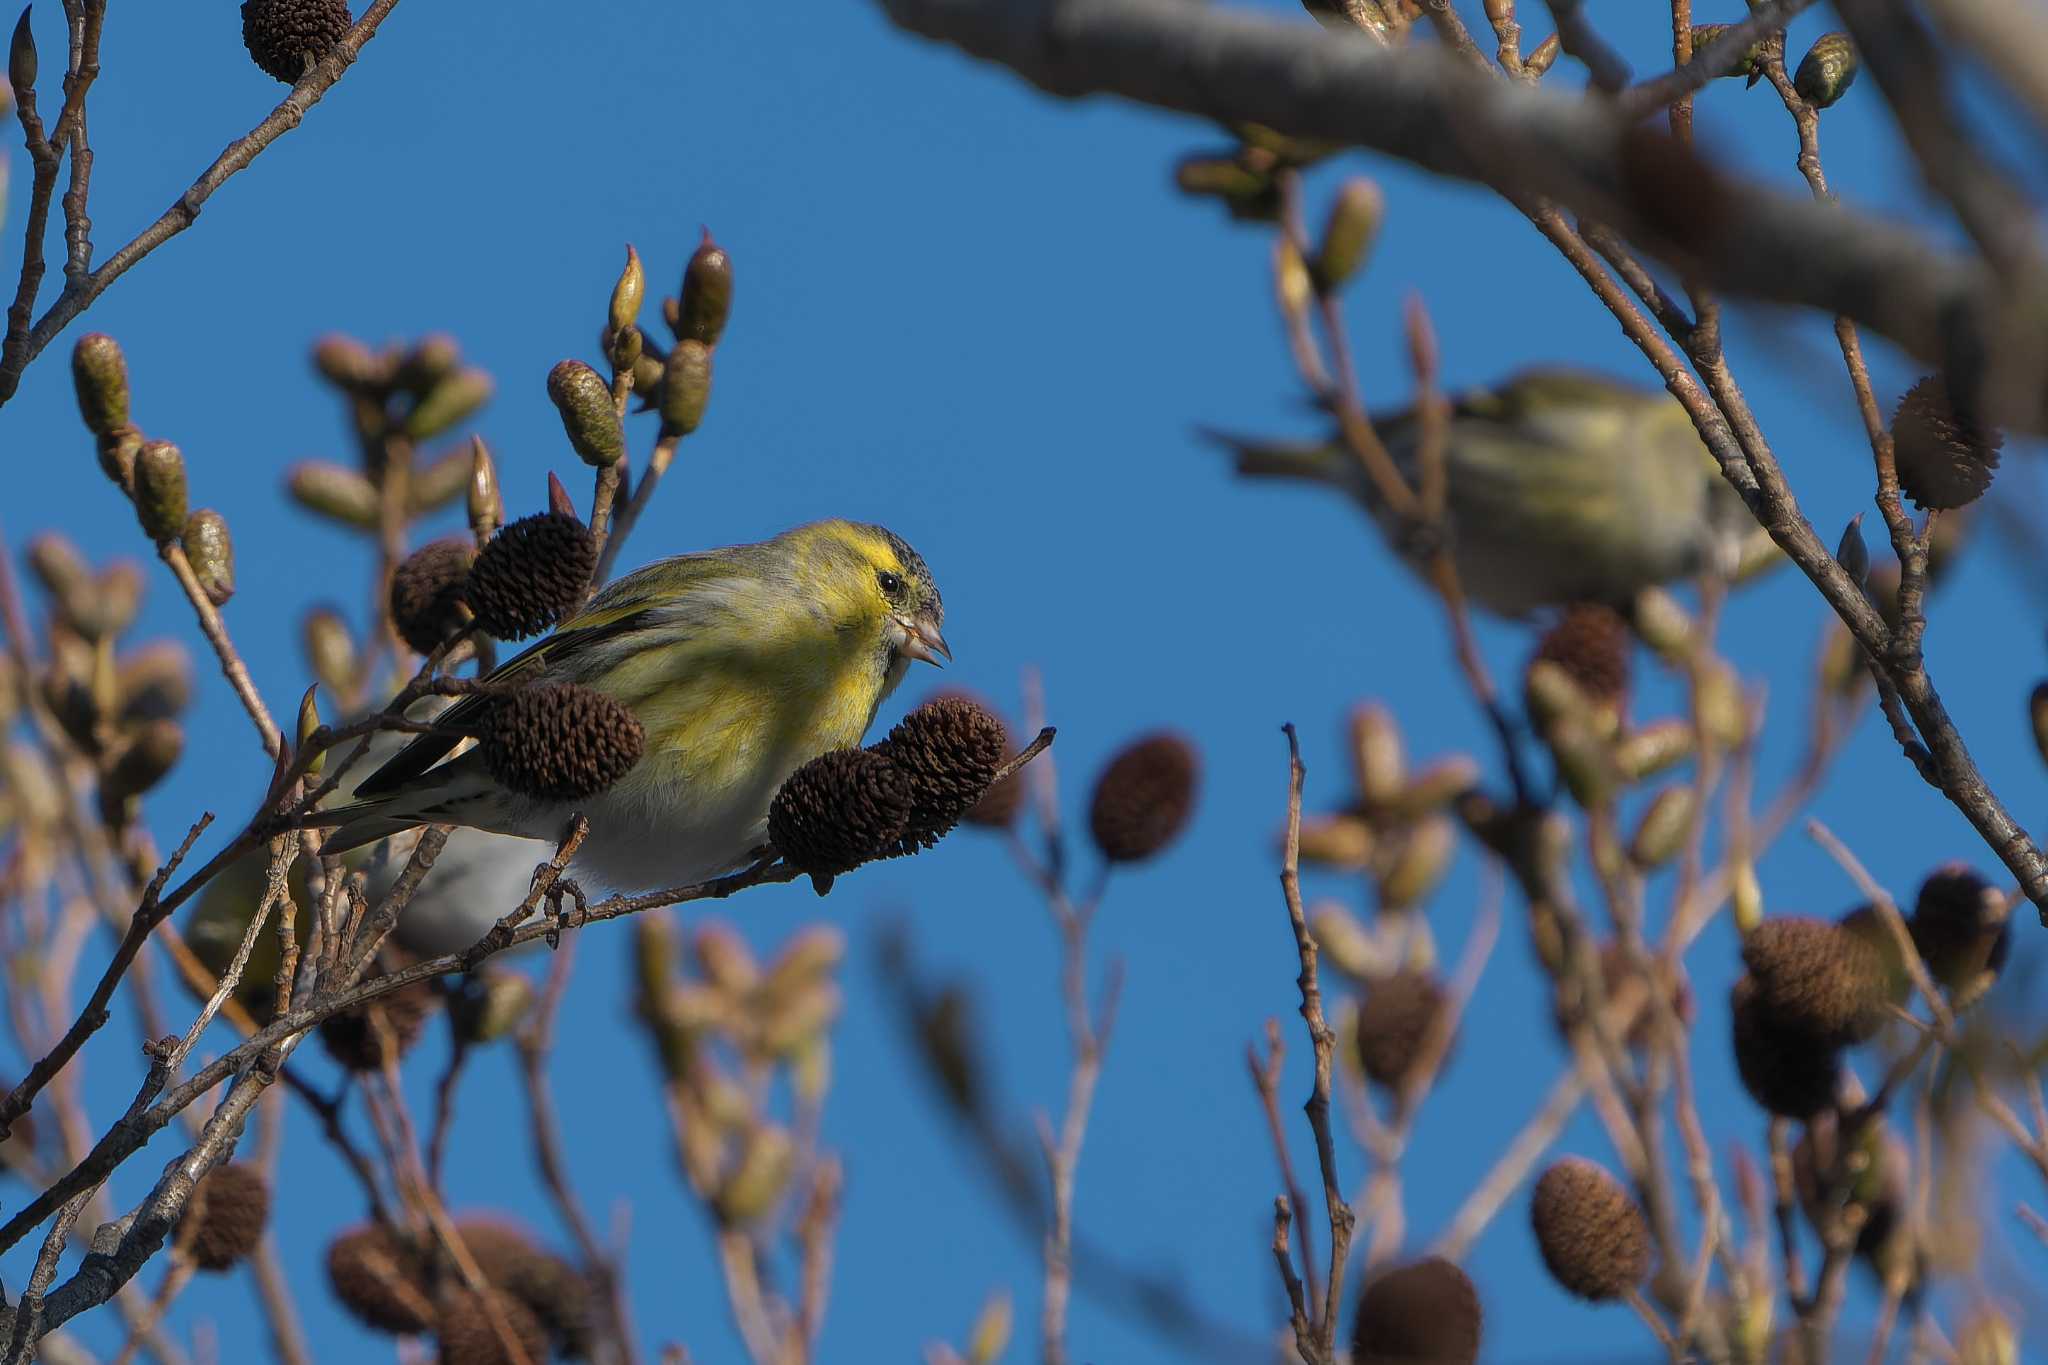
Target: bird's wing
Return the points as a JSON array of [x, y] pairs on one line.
[[631, 604], [545, 657]]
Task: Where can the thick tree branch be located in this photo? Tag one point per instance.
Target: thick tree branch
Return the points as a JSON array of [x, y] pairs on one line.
[[1429, 108]]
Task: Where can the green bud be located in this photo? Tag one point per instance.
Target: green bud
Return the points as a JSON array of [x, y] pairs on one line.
[[1663, 830], [160, 491], [1852, 553], [100, 375], [626, 348], [1585, 760], [1342, 841], [757, 1182], [330, 651], [486, 507], [1751, 64], [117, 451], [1218, 177], [648, 369], [491, 1006], [348, 365], [627, 293], [153, 683], [724, 959], [21, 53], [589, 417], [1421, 858], [1435, 786], [67, 689], [2037, 716], [335, 492], [1354, 222], [654, 959], [1988, 1339], [109, 606], [672, 313], [1723, 710], [1376, 760], [707, 294], [1746, 894], [426, 364], [142, 759], [309, 725], [451, 401], [211, 553], [811, 955], [685, 388], [1827, 70], [991, 1335], [438, 484], [38, 800], [1654, 748], [802, 1019], [1663, 624], [58, 567], [1345, 942]]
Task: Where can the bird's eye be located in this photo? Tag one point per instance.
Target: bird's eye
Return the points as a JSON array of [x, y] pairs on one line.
[[891, 583]]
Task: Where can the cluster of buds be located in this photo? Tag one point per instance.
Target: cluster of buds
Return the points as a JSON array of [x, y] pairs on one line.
[[402, 1281], [719, 1023], [151, 473], [1396, 829], [674, 381], [285, 37], [1576, 690], [396, 398], [119, 708], [1245, 179], [896, 797]]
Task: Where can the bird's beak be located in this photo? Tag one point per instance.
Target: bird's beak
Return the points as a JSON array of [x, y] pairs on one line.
[[921, 640]]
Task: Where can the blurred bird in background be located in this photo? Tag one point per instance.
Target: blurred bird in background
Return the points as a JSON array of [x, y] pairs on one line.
[[1562, 486]]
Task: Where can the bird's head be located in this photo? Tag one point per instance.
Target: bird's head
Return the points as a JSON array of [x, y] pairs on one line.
[[879, 579]]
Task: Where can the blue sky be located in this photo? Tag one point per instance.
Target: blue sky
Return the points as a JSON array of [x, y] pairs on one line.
[[986, 319]]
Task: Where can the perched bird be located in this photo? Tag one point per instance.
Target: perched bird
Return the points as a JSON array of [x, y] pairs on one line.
[[1561, 486], [740, 665]]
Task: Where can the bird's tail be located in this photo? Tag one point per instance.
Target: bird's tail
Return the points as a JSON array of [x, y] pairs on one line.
[[360, 823]]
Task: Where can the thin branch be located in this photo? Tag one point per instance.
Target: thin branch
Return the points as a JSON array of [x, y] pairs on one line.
[[79, 293]]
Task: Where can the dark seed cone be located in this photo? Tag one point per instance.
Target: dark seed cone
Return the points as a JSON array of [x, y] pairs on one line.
[[283, 35], [380, 1280], [1867, 924], [559, 741], [840, 810], [531, 574], [427, 592], [1393, 1020], [232, 1204], [559, 1295], [467, 1332], [1144, 798], [355, 1038], [1591, 643], [1945, 457], [1424, 1311], [1790, 1073], [1818, 977], [1962, 926], [1592, 1236], [948, 750]]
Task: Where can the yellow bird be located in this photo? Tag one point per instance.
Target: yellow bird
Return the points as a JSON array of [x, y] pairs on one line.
[[741, 664]]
